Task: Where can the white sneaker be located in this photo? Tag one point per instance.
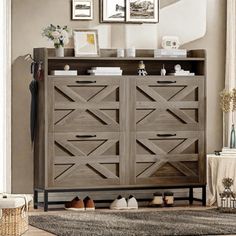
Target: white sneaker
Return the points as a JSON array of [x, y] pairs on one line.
[[119, 204], [132, 203]]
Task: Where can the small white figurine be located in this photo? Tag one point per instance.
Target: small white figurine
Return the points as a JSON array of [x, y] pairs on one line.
[[178, 68], [66, 67], [141, 69], [163, 70]]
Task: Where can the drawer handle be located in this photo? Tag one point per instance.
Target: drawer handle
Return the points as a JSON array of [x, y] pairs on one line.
[[86, 136], [166, 135], [86, 82], [166, 82]]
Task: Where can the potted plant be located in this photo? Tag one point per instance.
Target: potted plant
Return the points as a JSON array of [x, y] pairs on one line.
[[60, 37]]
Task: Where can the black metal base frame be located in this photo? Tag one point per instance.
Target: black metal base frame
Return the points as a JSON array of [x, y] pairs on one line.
[[46, 192]]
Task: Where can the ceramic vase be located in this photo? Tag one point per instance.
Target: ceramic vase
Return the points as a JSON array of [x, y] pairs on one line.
[[59, 51], [232, 137]]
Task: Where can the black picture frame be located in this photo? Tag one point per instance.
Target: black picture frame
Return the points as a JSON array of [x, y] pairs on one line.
[[122, 7]]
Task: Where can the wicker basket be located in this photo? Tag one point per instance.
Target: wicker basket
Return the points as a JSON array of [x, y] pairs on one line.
[[13, 221]]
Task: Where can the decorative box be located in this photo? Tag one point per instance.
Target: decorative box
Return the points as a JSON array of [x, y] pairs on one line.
[[13, 214]]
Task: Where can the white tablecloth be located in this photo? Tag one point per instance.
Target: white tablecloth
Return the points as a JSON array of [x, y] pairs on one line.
[[219, 167]]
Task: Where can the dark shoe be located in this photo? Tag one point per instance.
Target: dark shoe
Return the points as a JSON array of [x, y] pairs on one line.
[[75, 205], [89, 204], [168, 199]]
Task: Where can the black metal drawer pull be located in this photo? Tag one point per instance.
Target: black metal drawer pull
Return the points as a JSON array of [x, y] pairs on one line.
[[86, 82], [166, 135], [86, 136], [166, 82]]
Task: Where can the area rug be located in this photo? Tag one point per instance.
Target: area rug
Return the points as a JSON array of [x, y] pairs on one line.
[[143, 223]]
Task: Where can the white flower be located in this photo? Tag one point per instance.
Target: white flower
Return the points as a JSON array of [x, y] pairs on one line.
[[56, 35], [59, 35], [56, 41], [64, 33]]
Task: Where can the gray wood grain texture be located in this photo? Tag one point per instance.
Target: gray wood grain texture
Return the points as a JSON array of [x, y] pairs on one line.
[[126, 114]]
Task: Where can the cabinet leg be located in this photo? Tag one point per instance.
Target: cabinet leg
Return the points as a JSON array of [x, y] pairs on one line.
[[204, 195], [191, 196], [35, 199], [45, 200]]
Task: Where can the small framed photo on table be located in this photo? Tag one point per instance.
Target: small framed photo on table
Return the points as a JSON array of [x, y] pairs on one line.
[[86, 43], [82, 9]]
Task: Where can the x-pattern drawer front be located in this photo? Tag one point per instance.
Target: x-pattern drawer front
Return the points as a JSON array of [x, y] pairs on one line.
[[85, 102], [161, 156], [82, 159], [171, 103]]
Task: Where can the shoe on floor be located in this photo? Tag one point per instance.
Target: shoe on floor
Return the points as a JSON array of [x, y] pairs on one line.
[[169, 199], [157, 200], [89, 204], [119, 204], [76, 204], [132, 202]]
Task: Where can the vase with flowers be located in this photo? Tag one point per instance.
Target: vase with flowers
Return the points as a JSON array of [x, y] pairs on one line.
[[60, 37], [228, 106]]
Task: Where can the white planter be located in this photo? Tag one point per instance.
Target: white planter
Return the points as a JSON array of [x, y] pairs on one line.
[[59, 51]]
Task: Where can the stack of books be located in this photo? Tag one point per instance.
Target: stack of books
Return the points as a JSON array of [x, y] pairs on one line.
[[182, 73], [228, 151], [105, 71], [170, 53]]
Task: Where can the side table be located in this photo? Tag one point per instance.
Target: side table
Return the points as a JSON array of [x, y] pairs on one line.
[[219, 167]]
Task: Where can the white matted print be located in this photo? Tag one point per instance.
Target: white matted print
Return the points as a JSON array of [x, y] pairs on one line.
[[86, 43], [82, 9], [113, 10], [142, 11]]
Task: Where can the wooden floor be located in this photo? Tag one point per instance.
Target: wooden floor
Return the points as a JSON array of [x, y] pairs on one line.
[[37, 232]]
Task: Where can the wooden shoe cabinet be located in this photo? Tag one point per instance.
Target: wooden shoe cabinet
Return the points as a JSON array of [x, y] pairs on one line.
[[104, 133]]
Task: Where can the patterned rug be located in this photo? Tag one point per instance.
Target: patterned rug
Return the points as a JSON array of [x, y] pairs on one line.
[[138, 223]]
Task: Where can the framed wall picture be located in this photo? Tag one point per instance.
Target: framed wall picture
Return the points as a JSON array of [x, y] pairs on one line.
[[82, 9], [144, 11], [112, 11], [86, 43]]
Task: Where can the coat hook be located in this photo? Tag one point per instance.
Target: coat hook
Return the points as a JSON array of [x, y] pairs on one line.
[[29, 56]]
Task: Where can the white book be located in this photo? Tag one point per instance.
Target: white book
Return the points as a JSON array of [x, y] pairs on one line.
[[171, 52], [184, 74], [105, 71], [64, 72], [106, 68], [227, 149], [228, 154]]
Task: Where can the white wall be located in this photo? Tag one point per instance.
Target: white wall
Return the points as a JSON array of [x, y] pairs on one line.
[[185, 19]]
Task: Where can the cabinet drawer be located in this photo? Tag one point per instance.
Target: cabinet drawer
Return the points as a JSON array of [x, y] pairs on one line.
[[85, 159], [86, 103], [172, 103], [171, 157]]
